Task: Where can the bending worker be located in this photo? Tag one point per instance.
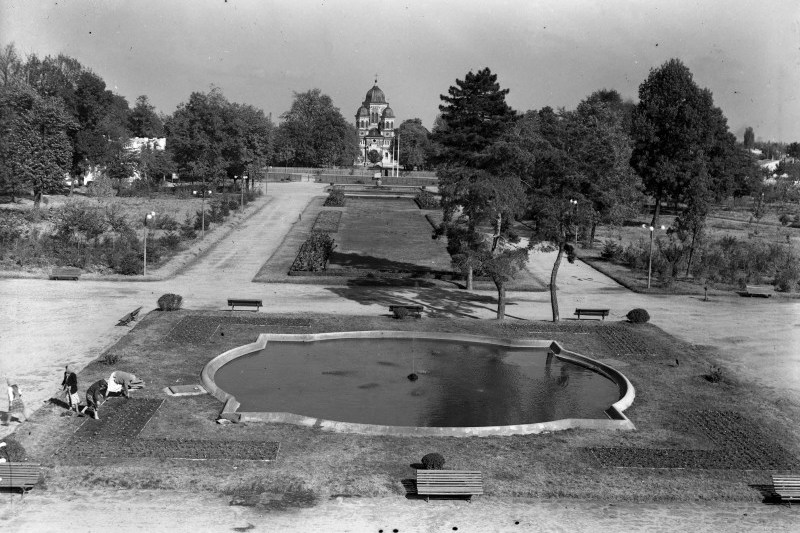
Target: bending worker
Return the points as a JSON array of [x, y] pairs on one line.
[[120, 381]]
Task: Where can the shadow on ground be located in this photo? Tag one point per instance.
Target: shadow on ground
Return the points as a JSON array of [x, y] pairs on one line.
[[438, 302], [364, 261]]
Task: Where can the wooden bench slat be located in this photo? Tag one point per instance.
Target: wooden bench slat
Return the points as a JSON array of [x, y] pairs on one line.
[[19, 475], [786, 487], [449, 482]]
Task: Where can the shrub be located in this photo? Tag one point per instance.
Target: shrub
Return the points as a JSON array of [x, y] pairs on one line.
[[788, 277], [170, 302], [199, 220], [611, 250], [314, 252], [188, 228], [427, 200], [125, 261], [400, 312], [165, 221], [77, 220], [714, 374], [111, 358], [335, 198], [170, 241], [638, 316], [433, 461], [233, 205]]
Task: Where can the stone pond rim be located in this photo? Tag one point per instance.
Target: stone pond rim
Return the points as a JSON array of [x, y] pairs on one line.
[[616, 417]]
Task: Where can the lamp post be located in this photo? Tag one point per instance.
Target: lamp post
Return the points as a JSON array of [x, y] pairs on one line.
[[147, 218], [574, 204], [202, 194], [650, 258]]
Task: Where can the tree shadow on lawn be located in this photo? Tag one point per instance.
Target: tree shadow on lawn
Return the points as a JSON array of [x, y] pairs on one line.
[[352, 260], [437, 301]]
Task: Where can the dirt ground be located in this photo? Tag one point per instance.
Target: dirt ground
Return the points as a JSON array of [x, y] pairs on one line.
[[47, 324]]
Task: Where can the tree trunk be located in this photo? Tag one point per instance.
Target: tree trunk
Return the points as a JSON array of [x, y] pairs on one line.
[[553, 288], [501, 299], [37, 198], [592, 234], [656, 212], [469, 278]]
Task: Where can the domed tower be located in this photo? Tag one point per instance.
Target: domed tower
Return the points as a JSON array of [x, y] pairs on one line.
[[375, 123]]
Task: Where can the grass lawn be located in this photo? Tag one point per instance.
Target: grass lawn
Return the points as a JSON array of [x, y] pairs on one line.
[[695, 439], [387, 234]]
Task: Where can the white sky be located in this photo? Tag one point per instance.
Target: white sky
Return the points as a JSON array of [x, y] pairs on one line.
[[547, 52]]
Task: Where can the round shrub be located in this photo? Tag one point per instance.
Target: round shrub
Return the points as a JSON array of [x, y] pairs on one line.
[[126, 261], [638, 316], [433, 461], [400, 312], [170, 302]]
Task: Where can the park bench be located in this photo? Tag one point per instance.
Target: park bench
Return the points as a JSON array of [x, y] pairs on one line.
[[130, 317], [65, 273], [413, 310], [786, 487], [449, 483], [19, 475], [243, 302], [758, 291], [592, 312]]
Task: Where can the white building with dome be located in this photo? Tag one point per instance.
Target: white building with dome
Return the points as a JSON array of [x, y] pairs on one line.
[[375, 124]]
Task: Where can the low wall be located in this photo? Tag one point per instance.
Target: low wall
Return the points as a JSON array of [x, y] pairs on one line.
[[617, 419]]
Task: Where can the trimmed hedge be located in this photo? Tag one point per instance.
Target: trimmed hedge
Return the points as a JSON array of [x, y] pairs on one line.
[[427, 200], [335, 198], [314, 253]]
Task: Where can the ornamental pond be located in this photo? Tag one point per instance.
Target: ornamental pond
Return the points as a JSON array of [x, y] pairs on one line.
[[454, 383]]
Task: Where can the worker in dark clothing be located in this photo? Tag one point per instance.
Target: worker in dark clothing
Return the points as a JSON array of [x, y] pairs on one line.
[[69, 385], [95, 395]]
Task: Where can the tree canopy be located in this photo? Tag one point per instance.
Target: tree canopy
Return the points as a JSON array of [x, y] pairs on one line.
[[414, 142], [211, 138], [314, 133], [35, 149], [480, 191], [682, 144]]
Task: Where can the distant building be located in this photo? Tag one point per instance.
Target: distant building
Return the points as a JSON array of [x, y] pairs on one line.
[[375, 125], [134, 145]]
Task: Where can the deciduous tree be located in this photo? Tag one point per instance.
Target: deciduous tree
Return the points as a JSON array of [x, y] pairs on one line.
[[314, 133], [35, 147], [680, 137]]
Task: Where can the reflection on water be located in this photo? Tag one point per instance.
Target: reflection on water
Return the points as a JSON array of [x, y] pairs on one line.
[[460, 384]]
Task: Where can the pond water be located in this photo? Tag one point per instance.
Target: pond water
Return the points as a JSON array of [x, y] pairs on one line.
[[459, 384]]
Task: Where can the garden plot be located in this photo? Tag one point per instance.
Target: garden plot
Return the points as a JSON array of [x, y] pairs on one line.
[[387, 234], [739, 444], [196, 329]]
